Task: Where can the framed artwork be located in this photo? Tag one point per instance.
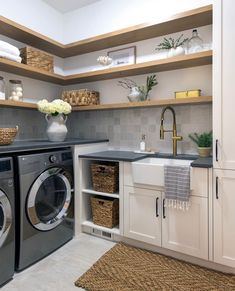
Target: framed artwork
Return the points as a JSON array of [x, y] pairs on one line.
[[122, 57]]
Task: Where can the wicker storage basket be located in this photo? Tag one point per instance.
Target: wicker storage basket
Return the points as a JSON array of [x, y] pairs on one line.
[[105, 177], [7, 135], [36, 58], [105, 211], [81, 97]]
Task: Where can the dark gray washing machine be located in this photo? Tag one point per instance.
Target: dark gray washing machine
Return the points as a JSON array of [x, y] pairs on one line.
[[46, 217], [7, 226]]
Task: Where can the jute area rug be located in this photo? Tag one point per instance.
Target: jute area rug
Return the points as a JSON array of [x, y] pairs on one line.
[[125, 268]]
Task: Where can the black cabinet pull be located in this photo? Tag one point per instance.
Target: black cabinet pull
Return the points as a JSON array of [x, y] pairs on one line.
[[157, 214], [216, 150], [217, 187], [164, 209]]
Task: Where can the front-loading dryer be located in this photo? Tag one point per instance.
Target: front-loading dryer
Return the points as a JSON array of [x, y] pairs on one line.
[[7, 226], [46, 217]]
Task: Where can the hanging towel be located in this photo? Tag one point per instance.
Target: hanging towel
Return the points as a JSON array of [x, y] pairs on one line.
[[10, 57], [177, 186], [8, 48]]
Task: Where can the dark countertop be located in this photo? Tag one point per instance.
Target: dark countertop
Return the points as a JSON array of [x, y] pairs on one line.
[[30, 145], [129, 156], [126, 156]]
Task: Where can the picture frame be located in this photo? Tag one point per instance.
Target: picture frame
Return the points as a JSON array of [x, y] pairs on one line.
[[123, 57]]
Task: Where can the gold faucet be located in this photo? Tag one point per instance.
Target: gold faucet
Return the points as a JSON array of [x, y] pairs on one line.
[[175, 137]]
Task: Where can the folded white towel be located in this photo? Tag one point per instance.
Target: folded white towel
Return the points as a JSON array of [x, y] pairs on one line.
[[8, 48], [10, 57]]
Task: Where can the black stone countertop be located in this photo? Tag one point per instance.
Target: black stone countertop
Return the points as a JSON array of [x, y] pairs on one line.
[[128, 156], [30, 145]]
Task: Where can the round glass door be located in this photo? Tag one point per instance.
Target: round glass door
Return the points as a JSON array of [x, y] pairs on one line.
[[5, 217], [49, 199]]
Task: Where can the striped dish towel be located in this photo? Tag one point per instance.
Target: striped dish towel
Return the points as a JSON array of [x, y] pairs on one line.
[[177, 187]]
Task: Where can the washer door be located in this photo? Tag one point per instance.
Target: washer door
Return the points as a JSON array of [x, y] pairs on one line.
[[5, 217], [49, 199]]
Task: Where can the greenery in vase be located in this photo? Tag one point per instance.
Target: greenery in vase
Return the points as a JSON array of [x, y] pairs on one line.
[[143, 89], [150, 83], [203, 140], [170, 42]]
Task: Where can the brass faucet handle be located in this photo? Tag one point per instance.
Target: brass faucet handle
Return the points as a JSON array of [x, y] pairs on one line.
[[177, 137]]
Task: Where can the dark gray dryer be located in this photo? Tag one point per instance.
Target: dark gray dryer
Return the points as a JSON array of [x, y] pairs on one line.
[[46, 220], [7, 227]]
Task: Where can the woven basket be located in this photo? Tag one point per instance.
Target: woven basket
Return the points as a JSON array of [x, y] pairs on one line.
[[7, 135], [36, 58], [82, 97], [105, 177], [105, 211]]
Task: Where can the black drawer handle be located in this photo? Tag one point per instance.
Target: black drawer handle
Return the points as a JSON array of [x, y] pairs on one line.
[[164, 209], [157, 214], [217, 187], [216, 150]]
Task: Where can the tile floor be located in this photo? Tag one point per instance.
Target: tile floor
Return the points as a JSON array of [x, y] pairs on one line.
[[60, 270]]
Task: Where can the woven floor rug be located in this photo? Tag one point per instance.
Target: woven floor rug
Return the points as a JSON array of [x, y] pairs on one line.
[[125, 268]]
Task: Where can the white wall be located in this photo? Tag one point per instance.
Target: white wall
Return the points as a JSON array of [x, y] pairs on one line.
[[109, 15], [36, 15]]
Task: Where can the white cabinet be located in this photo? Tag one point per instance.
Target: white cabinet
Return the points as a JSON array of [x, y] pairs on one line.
[[142, 215], [187, 231], [223, 83], [224, 217]]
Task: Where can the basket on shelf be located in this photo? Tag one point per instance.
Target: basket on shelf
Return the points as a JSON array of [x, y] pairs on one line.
[[105, 176], [36, 58], [105, 211], [7, 135], [82, 97]]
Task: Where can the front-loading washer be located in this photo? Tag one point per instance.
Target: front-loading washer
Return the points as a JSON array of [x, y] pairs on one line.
[[45, 220], [7, 225]]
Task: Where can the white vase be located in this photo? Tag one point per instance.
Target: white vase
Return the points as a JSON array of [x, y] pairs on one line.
[[56, 129], [175, 52], [134, 95]]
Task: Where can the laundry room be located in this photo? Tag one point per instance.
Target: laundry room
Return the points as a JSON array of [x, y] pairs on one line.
[[115, 168]]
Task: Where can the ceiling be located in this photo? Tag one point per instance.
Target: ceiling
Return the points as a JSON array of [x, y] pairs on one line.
[[69, 5]]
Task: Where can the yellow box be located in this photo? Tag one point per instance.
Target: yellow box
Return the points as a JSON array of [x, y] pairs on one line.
[[188, 94]]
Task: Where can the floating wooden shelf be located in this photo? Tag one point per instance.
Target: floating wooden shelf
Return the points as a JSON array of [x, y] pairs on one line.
[[178, 62], [152, 103], [19, 104], [29, 71], [178, 22]]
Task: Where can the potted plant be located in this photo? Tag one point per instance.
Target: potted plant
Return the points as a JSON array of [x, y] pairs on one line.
[[173, 46], [56, 117], [204, 143], [138, 93]]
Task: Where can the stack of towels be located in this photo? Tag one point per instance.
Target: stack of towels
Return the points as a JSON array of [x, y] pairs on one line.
[[10, 52]]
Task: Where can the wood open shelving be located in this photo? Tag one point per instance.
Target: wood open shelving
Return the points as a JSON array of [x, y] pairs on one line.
[[182, 21], [144, 104], [17, 104], [168, 64], [178, 62]]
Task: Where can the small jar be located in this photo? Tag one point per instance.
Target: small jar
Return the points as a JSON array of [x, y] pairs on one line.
[[15, 90], [2, 89]]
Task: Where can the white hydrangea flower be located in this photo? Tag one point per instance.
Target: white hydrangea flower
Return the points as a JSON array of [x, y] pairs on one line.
[[57, 106]]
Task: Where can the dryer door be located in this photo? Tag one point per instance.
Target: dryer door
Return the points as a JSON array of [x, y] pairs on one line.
[[49, 199], [5, 217]]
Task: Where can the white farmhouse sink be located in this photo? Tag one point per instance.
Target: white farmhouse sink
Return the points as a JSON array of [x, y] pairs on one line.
[[150, 171]]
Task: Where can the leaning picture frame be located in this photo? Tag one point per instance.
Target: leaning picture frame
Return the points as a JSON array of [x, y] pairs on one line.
[[123, 57]]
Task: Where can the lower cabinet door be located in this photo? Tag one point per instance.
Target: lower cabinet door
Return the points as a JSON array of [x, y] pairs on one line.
[[142, 215], [224, 217], [187, 231]]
